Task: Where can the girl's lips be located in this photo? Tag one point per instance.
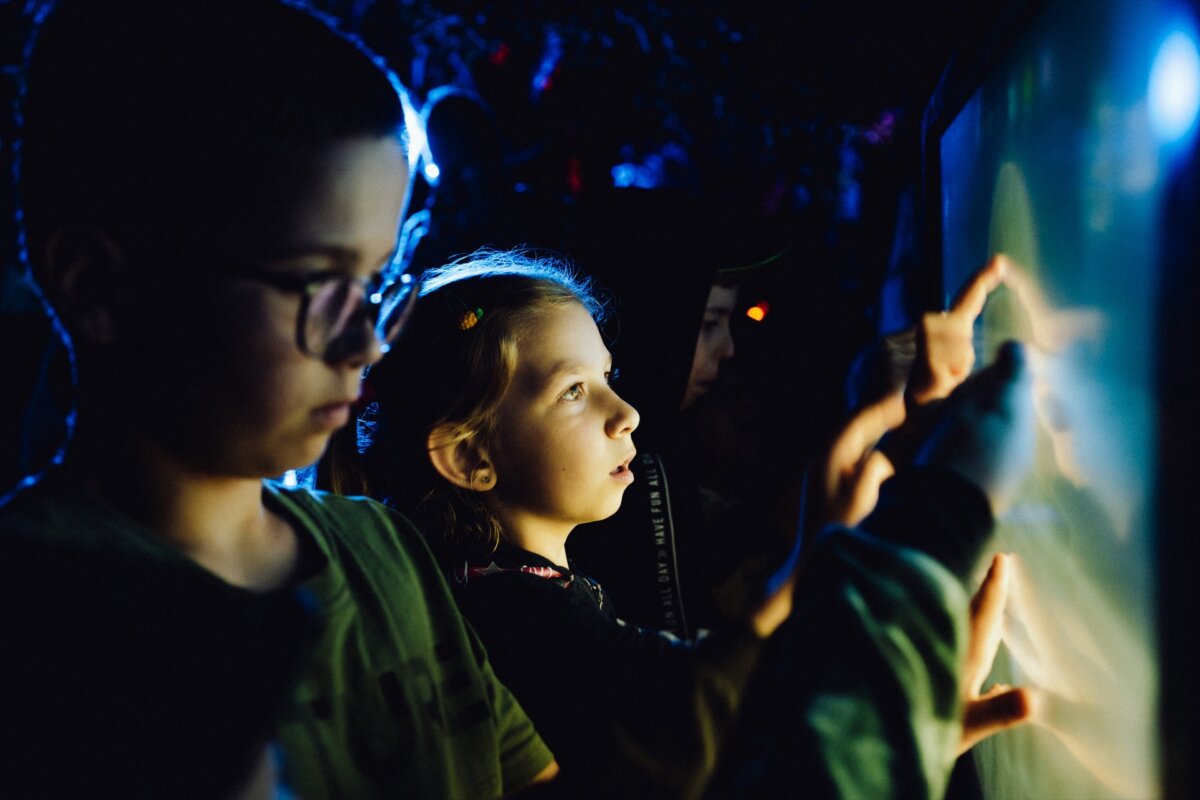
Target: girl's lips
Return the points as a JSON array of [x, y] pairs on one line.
[[622, 472]]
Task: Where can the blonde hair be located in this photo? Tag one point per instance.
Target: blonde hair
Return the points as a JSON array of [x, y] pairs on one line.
[[452, 367]]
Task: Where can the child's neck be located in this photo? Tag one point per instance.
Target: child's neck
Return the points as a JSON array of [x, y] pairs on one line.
[[547, 541], [219, 522]]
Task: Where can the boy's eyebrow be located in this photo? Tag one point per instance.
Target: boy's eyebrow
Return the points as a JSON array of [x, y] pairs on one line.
[[337, 253]]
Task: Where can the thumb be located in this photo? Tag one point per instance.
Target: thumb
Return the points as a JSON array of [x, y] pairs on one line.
[[865, 491], [1001, 708]]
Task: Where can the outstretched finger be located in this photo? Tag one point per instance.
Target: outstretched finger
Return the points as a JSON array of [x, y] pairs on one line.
[[853, 468], [864, 431], [987, 622], [969, 303], [946, 350]]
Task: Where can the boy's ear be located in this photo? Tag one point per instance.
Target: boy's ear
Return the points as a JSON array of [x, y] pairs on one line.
[[83, 266], [460, 460]]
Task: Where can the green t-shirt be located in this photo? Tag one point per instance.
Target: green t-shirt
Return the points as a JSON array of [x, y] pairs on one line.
[[401, 699], [398, 698]]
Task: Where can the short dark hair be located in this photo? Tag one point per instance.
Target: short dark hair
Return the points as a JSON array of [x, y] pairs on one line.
[[144, 117]]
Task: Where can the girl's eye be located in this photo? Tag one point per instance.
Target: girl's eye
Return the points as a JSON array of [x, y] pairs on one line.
[[574, 393], [612, 376]]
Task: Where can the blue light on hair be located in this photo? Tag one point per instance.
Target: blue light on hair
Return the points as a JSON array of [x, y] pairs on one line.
[[551, 55], [414, 125], [492, 263]]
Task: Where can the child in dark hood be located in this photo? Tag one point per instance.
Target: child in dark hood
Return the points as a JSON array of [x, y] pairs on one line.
[[675, 269]]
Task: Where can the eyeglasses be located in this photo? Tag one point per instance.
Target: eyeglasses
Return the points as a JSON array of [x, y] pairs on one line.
[[333, 307]]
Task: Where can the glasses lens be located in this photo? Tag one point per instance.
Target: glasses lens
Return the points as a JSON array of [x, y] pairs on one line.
[[395, 307], [331, 309], [337, 307]]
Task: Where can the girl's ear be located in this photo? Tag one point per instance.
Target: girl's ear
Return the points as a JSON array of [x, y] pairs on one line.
[[459, 459]]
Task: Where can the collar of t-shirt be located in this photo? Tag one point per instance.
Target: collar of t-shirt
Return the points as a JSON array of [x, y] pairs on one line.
[[511, 559]]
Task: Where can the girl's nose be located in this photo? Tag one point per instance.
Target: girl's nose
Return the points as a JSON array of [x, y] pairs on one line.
[[624, 419]]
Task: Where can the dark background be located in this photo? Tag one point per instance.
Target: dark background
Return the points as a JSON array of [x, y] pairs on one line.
[[803, 116], [810, 109]]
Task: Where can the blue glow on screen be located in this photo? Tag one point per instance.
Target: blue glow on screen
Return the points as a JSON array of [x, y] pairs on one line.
[[1174, 91], [1062, 159]]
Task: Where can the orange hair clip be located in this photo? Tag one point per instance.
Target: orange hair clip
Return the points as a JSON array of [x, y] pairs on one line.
[[470, 319]]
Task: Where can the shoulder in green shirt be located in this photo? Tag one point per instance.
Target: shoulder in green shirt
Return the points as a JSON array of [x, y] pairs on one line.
[[399, 698]]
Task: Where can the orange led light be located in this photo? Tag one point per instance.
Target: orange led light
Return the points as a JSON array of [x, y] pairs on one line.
[[758, 312]]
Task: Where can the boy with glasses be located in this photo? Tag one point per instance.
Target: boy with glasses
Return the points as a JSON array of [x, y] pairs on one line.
[[212, 193]]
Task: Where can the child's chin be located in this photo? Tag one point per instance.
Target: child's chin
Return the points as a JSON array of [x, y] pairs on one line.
[[301, 456], [613, 510]]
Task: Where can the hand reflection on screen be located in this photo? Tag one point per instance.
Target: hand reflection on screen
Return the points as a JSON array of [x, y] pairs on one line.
[[1053, 334], [1070, 634]]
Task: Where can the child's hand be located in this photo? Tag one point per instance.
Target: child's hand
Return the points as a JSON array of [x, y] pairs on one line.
[[851, 475], [1000, 707], [775, 607], [945, 346], [854, 469], [984, 431]]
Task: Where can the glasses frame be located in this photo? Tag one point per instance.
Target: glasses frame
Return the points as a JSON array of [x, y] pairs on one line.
[[384, 298]]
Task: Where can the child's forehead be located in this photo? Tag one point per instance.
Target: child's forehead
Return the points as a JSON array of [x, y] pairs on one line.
[[561, 339], [344, 197], [721, 298], [563, 323]]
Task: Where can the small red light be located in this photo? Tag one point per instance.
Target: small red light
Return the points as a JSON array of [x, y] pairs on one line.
[[575, 175], [758, 312]]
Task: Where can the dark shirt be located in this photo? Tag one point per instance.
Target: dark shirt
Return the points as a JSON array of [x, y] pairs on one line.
[[628, 712]]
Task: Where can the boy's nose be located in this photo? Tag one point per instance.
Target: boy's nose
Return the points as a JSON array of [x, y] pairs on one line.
[[357, 347]]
